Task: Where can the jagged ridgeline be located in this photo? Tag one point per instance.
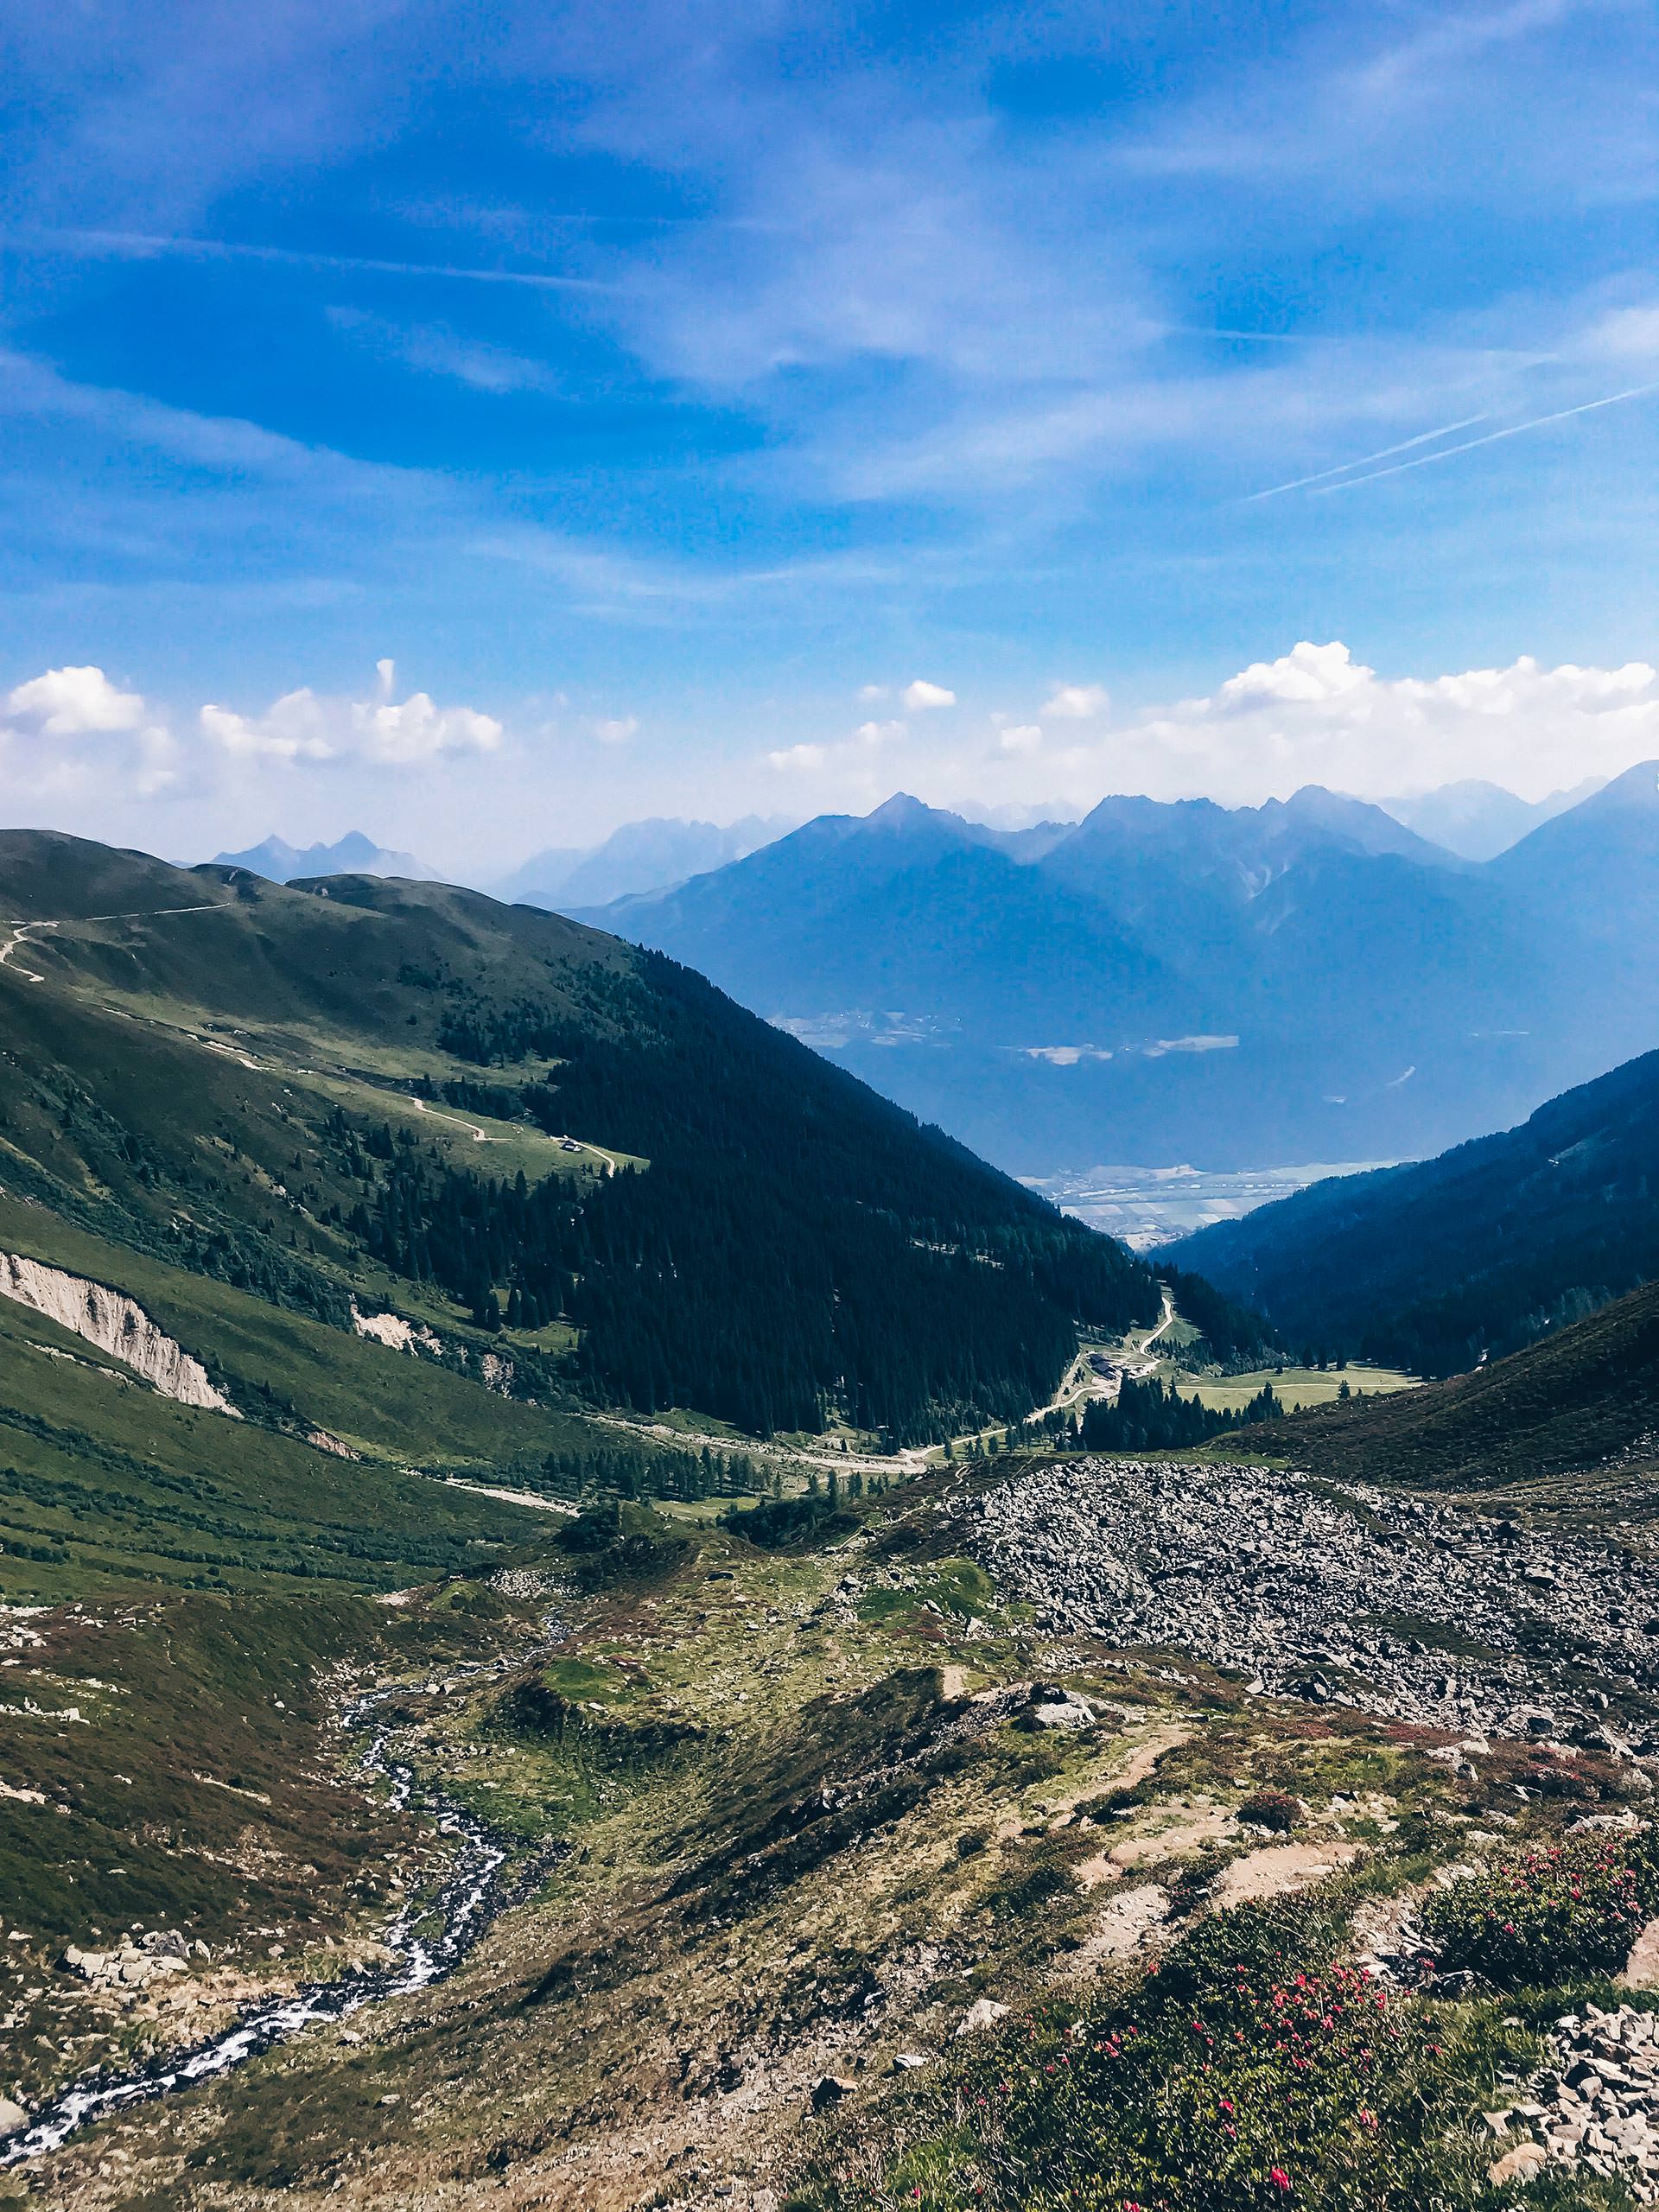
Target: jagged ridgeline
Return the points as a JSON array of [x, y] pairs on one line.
[[580, 1152]]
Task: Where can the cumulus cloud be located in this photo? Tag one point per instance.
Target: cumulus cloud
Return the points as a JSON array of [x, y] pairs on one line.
[[306, 725], [99, 735], [1077, 702], [800, 759], [617, 730], [1316, 715], [879, 733], [73, 702], [1306, 675], [920, 696], [1023, 737]]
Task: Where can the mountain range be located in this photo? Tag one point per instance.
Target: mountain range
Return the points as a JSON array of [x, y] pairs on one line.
[[352, 854], [540, 1145], [639, 857], [1480, 820], [1306, 980]]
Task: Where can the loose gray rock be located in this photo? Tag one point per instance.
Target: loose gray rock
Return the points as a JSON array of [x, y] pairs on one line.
[[1296, 1588]]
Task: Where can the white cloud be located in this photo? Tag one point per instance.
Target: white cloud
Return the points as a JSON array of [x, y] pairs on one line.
[[869, 693], [418, 730], [305, 725], [73, 702], [1318, 715], [881, 732], [616, 731], [104, 738], [1077, 702], [438, 350], [920, 696], [1302, 677], [294, 728], [801, 759]]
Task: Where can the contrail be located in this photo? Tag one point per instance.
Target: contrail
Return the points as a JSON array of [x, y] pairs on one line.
[[1249, 337], [140, 242], [1423, 438], [1513, 431]]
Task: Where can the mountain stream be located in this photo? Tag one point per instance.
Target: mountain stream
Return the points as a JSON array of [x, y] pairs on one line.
[[472, 1894]]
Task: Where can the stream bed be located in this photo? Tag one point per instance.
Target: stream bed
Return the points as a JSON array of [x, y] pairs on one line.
[[471, 1897]]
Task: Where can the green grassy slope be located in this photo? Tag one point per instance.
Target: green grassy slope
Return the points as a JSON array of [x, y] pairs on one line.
[[105, 1486], [409, 1095], [1560, 1408]]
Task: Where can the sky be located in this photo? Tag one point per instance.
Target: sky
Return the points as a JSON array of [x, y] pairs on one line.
[[484, 425]]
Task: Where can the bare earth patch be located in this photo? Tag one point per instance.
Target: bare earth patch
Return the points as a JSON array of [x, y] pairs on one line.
[[1280, 1870], [1126, 1924], [1640, 1970]]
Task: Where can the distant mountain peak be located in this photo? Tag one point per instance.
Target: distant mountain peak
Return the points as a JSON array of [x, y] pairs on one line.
[[636, 861], [1479, 820], [902, 811], [1636, 790], [355, 854]]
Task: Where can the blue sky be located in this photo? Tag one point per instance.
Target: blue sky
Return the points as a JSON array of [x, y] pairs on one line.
[[667, 391]]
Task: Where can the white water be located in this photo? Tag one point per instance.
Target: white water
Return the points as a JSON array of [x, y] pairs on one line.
[[465, 1906]]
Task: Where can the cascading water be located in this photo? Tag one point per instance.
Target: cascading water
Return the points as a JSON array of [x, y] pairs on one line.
[[472, 1894]]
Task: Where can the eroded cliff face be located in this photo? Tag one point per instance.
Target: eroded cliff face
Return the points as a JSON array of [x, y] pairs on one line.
[[116, 1324]]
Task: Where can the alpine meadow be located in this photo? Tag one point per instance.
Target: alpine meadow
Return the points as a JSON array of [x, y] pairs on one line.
[[829, 1071]]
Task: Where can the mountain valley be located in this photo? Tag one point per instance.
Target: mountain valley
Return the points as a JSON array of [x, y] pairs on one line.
[[1308, 979], [565, 1647]]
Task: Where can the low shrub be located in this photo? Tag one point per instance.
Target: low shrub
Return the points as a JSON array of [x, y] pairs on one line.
[[1253, 2070], [631, 1559], [614, 1542], [777, 1522], [1548, 1912], [1276, 1810]]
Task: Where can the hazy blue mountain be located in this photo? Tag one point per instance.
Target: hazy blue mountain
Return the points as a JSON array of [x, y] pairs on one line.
[[539, 881], [1225, 890], [1481, 820], [1308, 979], [639, 858], [1234, 852], [1439, 1264], [354, 854], [907, 912], [1596, 866]]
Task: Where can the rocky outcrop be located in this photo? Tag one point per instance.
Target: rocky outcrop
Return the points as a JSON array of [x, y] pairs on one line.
[[1595, 2105], [151, 1957], [115, 1324], [396, 1333]]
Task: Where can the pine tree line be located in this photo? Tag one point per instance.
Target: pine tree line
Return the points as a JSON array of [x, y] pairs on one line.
[[796, 1246], [1152, 1417]]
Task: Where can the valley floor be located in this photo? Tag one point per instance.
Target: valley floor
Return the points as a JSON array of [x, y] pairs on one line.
[[803, 1842]]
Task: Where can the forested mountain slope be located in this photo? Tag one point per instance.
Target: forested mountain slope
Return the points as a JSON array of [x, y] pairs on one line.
[[1436, 1265], [411, 1097]]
